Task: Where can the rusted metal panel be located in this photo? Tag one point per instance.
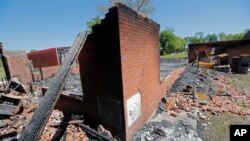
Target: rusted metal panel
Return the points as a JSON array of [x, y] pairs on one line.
[[44, 58]]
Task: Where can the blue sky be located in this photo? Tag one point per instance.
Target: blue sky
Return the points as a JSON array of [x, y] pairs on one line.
[[40, 24]]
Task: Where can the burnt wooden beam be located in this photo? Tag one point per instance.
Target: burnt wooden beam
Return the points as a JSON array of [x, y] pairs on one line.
[[94, 133], [8, 135]]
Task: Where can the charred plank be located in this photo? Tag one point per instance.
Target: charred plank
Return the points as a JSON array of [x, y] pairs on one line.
[[94, 133]]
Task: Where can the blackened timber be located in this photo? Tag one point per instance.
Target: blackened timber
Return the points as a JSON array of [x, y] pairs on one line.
[[34, 129], [8, 135], [94, 133]]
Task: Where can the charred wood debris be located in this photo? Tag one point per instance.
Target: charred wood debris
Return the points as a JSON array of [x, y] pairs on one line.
[[17, 105], [23, 107]]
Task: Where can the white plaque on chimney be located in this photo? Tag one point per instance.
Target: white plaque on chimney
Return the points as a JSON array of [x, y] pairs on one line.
[[133, 108]]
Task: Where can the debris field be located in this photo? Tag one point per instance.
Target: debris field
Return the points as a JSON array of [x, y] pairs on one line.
[[58, 125], [193, 98]]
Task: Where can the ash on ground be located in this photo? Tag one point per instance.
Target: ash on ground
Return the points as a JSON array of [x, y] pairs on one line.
[[72, 85], [169, 65]]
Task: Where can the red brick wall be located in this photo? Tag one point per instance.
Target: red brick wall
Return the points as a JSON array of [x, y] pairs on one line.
[[51, 71], [237, 51], [139, 38], [118, 60], [100, 71], [140, 59], [65, 103], [47, 72], [18, 65]]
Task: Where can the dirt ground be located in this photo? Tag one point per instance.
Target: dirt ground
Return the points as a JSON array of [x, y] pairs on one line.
[[218, 130]]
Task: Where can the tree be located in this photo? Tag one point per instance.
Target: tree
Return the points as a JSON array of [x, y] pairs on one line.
[[92, 22], [222, 36], [170, 43], [33, 50], [197, 38], [141, 6], [238, 36], [247, 34], [211, 38], [179, 44], [166, 36], [199, 35], [247, 30]]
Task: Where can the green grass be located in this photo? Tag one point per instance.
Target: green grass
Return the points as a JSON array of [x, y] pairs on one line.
[[219, 128], [2, 73], [242, 82], [175, 56]]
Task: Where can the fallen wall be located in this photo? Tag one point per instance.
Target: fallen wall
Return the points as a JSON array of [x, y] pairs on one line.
[[120, 71]]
